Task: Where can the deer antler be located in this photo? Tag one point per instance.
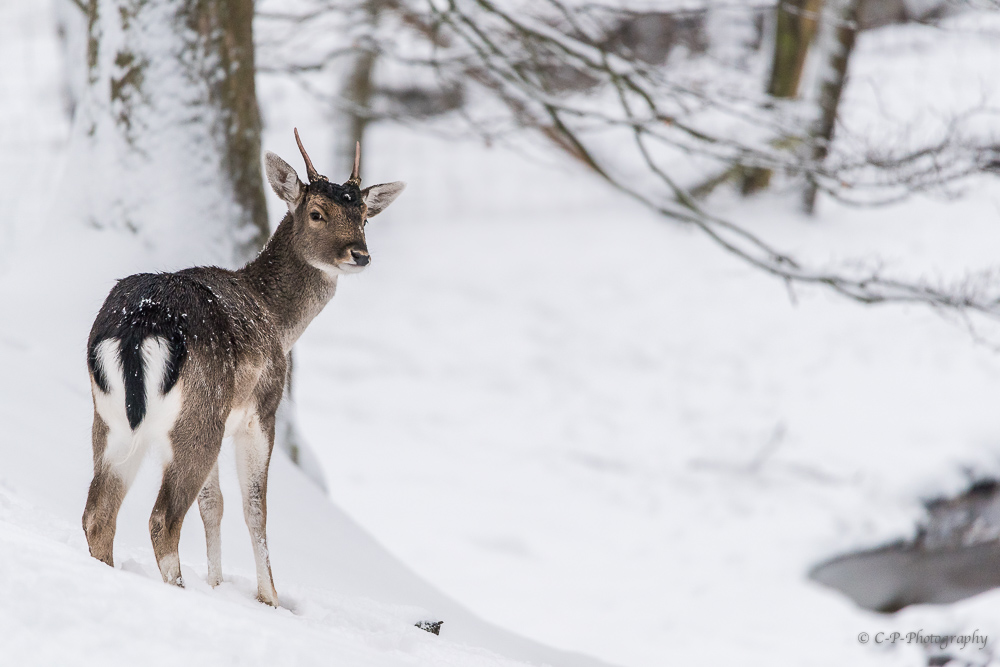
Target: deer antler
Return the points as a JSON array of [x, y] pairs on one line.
[[356, 173], [310, 169]]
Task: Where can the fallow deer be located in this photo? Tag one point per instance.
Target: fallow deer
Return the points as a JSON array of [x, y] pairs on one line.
[[182, 360]]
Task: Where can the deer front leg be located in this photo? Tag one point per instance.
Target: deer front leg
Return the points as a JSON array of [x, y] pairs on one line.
[[210, 505], [253, 455]]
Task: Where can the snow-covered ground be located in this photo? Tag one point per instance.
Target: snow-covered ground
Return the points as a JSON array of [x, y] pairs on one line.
[[642, 437], [582, 423]]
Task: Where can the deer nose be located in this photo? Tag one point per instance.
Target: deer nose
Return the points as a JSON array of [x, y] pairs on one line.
[[361, 257]]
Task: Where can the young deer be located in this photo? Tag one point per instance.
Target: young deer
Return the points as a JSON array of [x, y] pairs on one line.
[[182, 360]]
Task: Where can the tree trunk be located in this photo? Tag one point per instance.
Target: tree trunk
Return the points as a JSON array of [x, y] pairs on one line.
[[831, 90], [354, 112], [796, 22], [225, 37], [356, 98], [167, 138]]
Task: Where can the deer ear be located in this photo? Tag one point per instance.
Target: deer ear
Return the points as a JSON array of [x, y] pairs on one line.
[[283, 179], [378, 197]]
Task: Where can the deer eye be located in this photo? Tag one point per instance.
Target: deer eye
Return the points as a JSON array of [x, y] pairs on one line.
[[315, 215]]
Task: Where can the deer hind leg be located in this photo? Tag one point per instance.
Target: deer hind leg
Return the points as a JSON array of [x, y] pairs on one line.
[[210, 505], [117, 456], [195, 440], [253, 455]]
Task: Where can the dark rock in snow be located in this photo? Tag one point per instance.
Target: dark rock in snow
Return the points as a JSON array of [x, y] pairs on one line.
[[433, 627], [955, 555]]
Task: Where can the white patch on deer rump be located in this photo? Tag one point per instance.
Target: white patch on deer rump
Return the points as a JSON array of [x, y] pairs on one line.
[[126, 448], [162, 409]]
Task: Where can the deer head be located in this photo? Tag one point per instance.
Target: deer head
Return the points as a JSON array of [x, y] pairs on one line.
[[329, 219]]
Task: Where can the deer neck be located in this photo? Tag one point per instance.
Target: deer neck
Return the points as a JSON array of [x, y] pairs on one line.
[[293, 290]]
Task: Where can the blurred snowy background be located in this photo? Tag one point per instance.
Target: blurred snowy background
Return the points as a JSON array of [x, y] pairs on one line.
[[573, 397]]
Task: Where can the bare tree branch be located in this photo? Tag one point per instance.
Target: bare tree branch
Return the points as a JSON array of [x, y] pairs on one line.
[[556, 70]]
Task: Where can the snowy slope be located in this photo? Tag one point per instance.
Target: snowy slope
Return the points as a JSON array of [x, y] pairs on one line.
[[355, 598], [63, 607]]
